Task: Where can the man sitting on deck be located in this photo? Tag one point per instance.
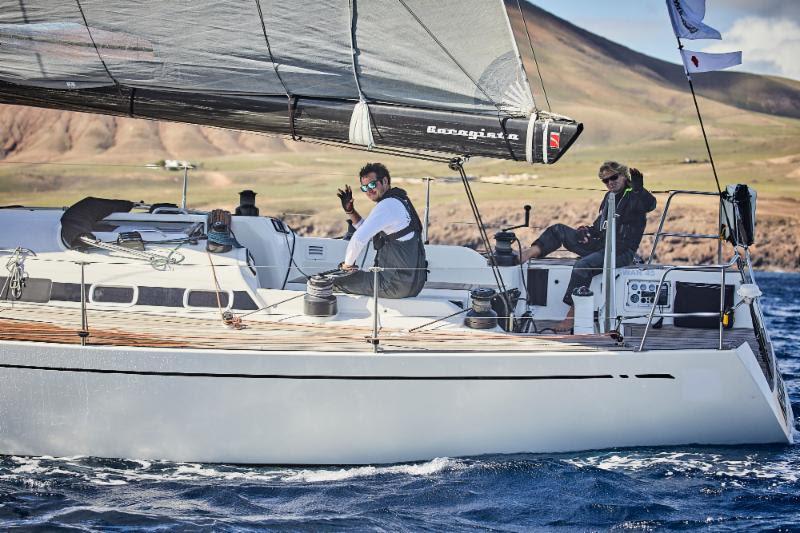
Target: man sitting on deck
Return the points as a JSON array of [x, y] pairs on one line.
[[395, 230], [633, 202]]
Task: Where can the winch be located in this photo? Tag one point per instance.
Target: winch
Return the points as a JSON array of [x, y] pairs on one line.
[[481, 316], [503, 254], [504, 239], [247, 204], [319, 300]]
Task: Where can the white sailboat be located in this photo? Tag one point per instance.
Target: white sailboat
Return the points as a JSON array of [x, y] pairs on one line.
[[123, 336]]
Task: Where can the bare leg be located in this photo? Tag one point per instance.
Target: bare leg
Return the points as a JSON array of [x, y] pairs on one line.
[[567, 324], [530, 253]]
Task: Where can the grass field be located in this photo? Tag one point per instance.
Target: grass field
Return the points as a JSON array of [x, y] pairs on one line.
[[301, 186]]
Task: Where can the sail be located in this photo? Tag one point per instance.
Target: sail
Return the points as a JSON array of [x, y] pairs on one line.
[[442, 75]]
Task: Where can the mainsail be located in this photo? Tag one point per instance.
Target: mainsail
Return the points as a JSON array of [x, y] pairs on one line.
[[443, 76]]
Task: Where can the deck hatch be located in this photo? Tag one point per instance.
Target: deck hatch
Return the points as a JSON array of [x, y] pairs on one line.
[[160, 296], [207, 299], [113, 295]]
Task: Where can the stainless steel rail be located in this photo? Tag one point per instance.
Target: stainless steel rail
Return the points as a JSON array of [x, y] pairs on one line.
[[660, 232], [698, 268]]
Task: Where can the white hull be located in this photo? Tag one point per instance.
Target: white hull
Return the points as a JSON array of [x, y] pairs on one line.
[[306, 408]]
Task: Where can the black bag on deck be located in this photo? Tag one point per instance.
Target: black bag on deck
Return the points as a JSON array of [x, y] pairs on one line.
[[700, 298]]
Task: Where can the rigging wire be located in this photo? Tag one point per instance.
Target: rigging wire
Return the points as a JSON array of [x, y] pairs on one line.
[[533, 52], [450, 55], [269, 48], [705, 138], [354, 51], [457, 164], [91, 38]]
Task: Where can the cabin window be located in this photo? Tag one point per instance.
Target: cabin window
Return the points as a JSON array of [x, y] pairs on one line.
[[160, 296], [112, 295], [207, 299]]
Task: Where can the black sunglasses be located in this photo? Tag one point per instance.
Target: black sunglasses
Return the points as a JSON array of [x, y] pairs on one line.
[[607, 180]]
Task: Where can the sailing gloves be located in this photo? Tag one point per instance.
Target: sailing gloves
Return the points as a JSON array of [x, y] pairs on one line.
[[637, 180], [346, 197], [584, 234]]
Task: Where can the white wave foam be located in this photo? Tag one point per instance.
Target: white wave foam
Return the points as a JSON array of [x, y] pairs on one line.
[[688, 463], [421, 469], [26, 469]]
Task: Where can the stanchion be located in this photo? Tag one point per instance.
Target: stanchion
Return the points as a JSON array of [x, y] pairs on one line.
[[84, 331], [374, 340]]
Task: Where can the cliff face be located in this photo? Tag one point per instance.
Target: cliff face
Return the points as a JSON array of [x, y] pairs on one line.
[[775, 247]]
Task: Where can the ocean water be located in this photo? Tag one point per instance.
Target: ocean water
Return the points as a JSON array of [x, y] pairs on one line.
[[741, 488]]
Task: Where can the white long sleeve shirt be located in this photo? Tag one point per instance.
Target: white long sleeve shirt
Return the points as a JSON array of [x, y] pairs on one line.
[[388, 216]]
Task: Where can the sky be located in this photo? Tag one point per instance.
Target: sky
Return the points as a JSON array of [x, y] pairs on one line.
[[766, 31]]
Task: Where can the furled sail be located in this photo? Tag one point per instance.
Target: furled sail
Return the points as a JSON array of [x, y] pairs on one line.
[[420, 75]]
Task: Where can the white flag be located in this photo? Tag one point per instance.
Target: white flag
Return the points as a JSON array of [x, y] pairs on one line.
[[687, 19], [704, 62]]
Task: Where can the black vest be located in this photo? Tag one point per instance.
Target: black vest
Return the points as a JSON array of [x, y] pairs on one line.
[[415, 225]]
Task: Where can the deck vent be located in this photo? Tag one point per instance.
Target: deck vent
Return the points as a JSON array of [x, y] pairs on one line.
[[315, 251]]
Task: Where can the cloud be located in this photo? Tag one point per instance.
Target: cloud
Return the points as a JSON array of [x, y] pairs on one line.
[[769, 45], [764, 8]]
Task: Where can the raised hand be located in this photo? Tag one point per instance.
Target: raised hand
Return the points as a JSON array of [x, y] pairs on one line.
[[346, 197], [637, 180]]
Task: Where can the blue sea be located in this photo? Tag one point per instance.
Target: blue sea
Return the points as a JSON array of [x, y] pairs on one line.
[[742, 488]]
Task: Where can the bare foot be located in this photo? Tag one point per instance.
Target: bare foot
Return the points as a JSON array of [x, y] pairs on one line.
[[565, 326]]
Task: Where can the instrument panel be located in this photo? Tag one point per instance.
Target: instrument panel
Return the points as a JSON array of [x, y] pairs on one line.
[[642, 292]]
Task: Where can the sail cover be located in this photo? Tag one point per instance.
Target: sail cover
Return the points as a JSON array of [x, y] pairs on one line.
[[224, 62]]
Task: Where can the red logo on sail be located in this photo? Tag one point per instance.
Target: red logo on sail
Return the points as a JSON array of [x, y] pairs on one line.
[[555, 140], [695, 61]]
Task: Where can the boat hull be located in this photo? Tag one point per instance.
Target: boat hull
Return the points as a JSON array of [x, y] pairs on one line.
[[307, 408]]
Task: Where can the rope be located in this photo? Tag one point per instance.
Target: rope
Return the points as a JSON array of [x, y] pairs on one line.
[[15, 265], [228, 318], [533, 52], [157, 261]]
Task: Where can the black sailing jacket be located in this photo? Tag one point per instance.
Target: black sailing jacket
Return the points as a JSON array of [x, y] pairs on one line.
[[632, 208]]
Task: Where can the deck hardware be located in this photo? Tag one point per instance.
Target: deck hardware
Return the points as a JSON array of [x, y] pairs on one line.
[[427, 216], [16, 281], [699, 268], [610, 265], [84, 331], [661, 233], [374, 340]]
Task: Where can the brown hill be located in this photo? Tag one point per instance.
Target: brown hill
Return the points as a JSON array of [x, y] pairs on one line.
[[591, 61], [624, 96]]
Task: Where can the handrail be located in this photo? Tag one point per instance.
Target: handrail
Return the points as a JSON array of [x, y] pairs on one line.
[[660, 233], [700, 268]]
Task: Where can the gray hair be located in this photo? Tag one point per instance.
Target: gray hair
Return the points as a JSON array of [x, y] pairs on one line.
[[611, 168]]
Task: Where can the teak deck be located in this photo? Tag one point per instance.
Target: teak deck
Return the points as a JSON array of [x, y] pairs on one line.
[[125, 328]]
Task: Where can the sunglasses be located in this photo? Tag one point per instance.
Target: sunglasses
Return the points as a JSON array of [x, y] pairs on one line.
[[369, 186], [605, 180]]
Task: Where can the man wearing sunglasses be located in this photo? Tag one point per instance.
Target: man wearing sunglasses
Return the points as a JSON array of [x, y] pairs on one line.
[[633, 202], [394, 228]]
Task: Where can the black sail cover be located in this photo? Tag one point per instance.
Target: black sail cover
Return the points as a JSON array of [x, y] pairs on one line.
[[421, 75]]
